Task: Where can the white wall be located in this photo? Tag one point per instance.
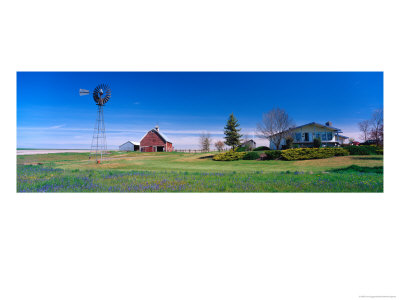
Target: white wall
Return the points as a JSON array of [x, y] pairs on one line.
[[310, 130], [127, 147], [273, 147]]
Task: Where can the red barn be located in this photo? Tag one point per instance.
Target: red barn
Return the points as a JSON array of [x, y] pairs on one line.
[[155, 141]]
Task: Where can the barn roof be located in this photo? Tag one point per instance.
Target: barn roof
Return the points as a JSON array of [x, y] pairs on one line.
[[162, 135]]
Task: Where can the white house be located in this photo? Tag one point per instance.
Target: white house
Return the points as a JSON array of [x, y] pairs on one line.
[[129, 146], [250, 143], [305, 134]]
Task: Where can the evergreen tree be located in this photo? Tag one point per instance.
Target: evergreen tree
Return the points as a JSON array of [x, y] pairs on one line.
[[289, 142], [232, 135], [317, 143]]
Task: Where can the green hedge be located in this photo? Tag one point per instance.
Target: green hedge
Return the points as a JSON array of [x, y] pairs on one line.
[[379, 151], [289, 154], [361, 150], [272, 154], [241, 149], [251, 155], [228, 156], [261, 148], [312, 153]]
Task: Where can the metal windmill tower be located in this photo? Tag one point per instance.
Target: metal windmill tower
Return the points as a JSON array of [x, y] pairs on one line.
[[101, 94]]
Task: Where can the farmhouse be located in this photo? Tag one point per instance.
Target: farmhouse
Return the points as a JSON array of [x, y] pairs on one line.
[[130, 146], [305, 134], [250, 144], [155, 141]]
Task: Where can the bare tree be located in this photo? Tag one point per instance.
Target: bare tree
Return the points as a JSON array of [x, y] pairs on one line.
[[364, 128], [275, 126], [219, 145], [376, 126], [205, 141], [351, 141], [245, 138], [380, 141]]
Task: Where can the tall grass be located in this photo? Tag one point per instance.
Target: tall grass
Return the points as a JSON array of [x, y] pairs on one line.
[[50, 179]]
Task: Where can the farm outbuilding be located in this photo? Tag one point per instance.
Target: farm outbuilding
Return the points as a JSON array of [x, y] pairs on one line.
[[130, 146], [250, 144], [155, 141]]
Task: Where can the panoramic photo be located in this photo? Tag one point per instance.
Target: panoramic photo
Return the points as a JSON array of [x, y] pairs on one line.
[[199, 132]]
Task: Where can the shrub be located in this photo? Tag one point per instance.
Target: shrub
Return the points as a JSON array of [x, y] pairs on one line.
[[229, 156], [361, 150], [261, 148], [241, 149], [251, 155], [317, 143], [272, 154], [312, 153], [340, 151], [379, 151], [289, 142], [355, 168]]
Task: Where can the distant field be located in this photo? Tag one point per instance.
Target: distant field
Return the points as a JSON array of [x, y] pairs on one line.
[[46, 151], [140, 172]]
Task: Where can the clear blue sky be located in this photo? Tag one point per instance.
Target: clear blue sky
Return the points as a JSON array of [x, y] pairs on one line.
[[51, 114]]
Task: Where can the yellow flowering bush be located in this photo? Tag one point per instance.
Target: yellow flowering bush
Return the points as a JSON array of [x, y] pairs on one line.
[[312, 153], [229, 156]]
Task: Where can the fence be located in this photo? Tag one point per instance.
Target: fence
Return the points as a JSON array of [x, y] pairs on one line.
[[196, 151]]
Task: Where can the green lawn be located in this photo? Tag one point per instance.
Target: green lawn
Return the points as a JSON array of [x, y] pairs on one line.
[[141, 172], [193, 162]]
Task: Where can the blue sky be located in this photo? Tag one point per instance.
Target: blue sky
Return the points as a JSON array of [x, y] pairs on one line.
[[51, 114]]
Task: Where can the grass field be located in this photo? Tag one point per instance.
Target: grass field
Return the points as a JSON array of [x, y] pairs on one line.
[[171, 172]]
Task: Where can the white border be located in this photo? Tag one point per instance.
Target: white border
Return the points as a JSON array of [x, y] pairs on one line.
[[199, 246]]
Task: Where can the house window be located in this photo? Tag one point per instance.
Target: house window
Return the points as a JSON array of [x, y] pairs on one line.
[[298, 137], [323, 136], [318, 135], [329, 134]]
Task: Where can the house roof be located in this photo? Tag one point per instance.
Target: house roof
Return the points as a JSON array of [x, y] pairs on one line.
[[318, 124], [342, 136]]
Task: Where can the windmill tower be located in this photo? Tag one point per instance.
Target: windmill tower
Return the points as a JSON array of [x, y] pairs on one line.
[[101, 94]]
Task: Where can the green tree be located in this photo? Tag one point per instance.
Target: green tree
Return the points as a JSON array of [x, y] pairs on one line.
[[317, 143], [289, 142], [232, 135]]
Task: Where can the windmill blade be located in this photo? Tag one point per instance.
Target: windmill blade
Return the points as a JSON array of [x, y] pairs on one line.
[[101, 94], [83, 92]]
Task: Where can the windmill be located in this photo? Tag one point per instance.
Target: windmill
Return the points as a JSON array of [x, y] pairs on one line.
[[101, 95]]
